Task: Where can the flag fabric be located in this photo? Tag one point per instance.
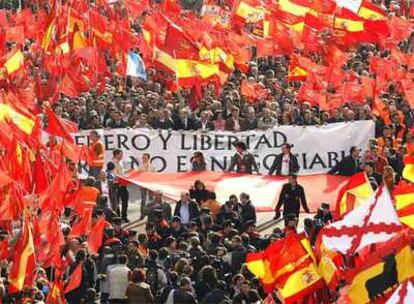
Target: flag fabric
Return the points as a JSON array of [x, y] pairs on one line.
[[404, 294], [253, 91], [266, 188], [75, 278], [24, 123], [94, 239], [14, 61], [136, 66], [56, 125], [40, 180], [403, 195], [4, 249], [23, 263], [391, 263], [296, 72], [373, 221], [408, 172], [292, 271], [357, 190]]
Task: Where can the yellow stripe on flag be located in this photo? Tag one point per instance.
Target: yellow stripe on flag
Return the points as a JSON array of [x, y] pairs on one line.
[[186, 68], [78, 41], [348, 25], [15, 62], [22, 122], [292, 8], [252, 14], [403, 200], [366, 13], [408, 172], [299, 281], [358, 293], [408, 221], [361, 194]]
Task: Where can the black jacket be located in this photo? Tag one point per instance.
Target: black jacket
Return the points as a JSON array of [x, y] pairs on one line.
[[199, 195], [181, 296], [346, 167], [248, 213], [277, 164], [243, 163], [198, 125], [291, 199], [179, 124], [193, 209]]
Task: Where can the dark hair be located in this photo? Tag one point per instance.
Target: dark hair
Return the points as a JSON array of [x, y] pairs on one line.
[[110, 166], [288, 146], [116, 152], [153, 255], [353, 148], [138, 275], [212, 195], [123, 259], [241, 145]]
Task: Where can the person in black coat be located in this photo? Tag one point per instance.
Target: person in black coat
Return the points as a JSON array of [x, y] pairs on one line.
[[349, 165], [285, 163], [291, 197], [198, 192], [186, 209], [248, 212], [243, 161], [376, 178], [184, 121], [204, 124], [185, 293]]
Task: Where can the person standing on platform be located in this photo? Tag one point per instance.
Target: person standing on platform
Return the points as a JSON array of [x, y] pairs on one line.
[[291, 197], [123, 194], [243, 161], [96, 154], [285, 163], [145, 166]]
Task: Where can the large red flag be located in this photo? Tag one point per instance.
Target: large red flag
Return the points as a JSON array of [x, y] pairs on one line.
[[57, 126], [23, 263], [39, 178], [95, 237], [4, 249], [75, 278], [83, 226]]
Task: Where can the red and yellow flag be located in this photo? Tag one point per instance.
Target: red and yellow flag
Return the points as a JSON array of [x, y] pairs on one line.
[[23, 265], [391, 263], [295, 71], [404, 203], [353, 194], [292, 271], [408, 172]]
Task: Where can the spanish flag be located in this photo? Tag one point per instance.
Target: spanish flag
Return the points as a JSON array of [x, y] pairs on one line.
[[295, 71], [292, 270], [14, 61], [357, 190], [404, 203], [186, 70], [408, 172], [24, 123], [296, 7], [391, 263], [371, 11], [23, 265], [250, 11]]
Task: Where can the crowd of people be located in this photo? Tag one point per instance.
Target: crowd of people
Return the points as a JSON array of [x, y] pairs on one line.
[[195, 251]]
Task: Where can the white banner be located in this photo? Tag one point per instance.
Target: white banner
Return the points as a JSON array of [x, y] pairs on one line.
[[318, 147]]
